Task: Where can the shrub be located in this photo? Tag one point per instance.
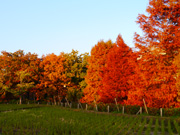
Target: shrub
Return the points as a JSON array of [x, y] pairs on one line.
[[102, 107], [91, 107], [171, 112], [131, 109], [154, 111]]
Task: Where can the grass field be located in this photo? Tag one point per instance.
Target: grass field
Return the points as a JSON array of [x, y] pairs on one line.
[[9, 107], [55, 120]]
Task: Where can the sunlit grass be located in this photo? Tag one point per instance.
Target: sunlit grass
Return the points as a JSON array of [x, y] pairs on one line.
[[57, 120]]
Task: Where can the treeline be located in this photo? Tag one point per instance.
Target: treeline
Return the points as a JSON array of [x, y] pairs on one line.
[[50, 78], [112, 73]]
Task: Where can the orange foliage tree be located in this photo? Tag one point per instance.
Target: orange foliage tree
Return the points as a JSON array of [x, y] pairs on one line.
[[177, 64], [35, 72], [53, 77], [153, 81], [116, 74], [96, 64], [11, 64], [155, 73], [6, 75]]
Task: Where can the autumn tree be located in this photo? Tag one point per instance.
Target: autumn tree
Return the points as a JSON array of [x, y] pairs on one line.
[[116, 74], [160, 27], [23, 84], [76, 66], [155, 72], [96, 64], [177, 64], [4, 84], [53, 76], [10, 64], [35, 72]]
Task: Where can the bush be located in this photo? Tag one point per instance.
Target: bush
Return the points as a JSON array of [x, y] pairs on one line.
[[73, 104], [131, 109], [13, 101], [112, 107], [154, 111], [171, 112], [102, 107], [83, 105], [90, 107]]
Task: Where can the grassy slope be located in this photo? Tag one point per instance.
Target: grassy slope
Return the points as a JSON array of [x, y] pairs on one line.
[[57, 120]]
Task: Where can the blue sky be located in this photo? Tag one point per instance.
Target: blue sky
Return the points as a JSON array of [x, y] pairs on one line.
[[54, 26]]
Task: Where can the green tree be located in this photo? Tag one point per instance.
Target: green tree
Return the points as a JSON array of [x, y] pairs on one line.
[[76, 70], [23, 84], [4, 88]]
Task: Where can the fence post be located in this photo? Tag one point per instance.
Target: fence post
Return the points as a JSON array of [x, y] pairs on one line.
[[96, 107], [67, 102], [78, 105], [161, 112], [140, 110], [123, 110], [108, 108], [70, 105], [116, 104], [86, 107], [145, 106]]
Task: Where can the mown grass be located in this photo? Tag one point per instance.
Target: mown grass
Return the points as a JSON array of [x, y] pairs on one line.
[[55, 120]]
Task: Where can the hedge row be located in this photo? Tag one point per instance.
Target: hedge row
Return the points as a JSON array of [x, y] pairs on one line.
[[129, 109]]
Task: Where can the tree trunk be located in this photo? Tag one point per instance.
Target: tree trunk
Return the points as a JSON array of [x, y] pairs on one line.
[[67, 102], [34, 98], [20, 100], [54, 100], [80, 104], [59, 99]]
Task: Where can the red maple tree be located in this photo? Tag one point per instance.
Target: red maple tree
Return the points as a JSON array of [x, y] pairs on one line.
[[116, 73], [155, 73], [96, 64]]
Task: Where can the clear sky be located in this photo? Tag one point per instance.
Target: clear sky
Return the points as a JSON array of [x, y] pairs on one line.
[[54, 26]]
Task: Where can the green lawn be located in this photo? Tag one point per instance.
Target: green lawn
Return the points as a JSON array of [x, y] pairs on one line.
[[55, 120]]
